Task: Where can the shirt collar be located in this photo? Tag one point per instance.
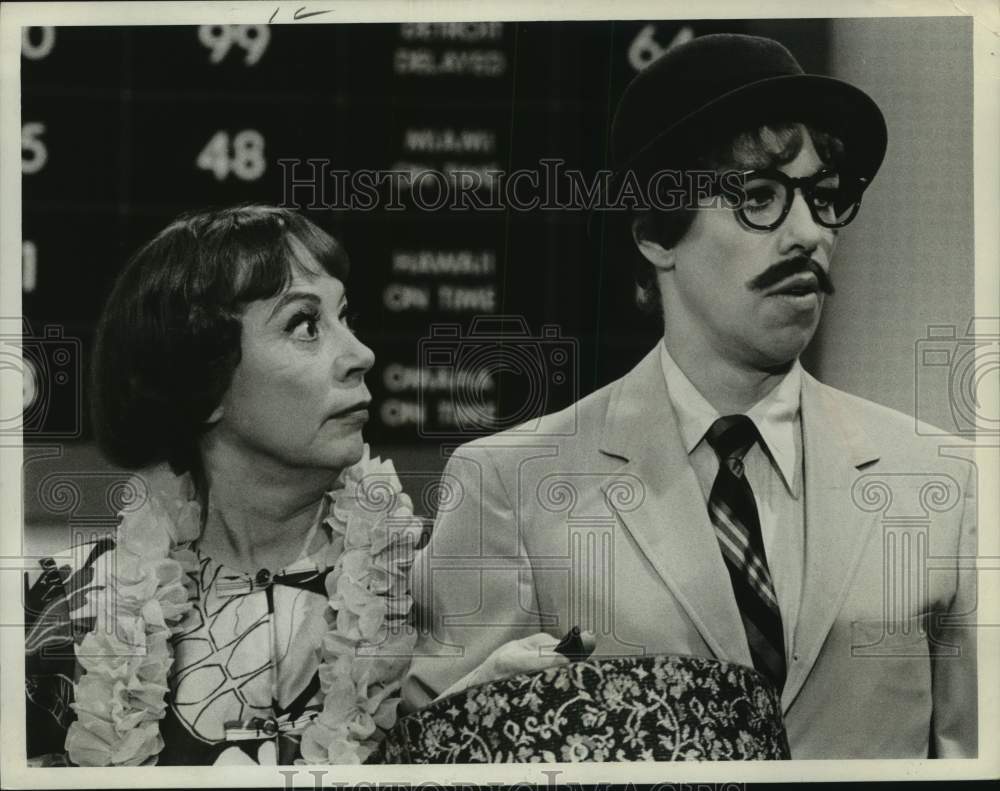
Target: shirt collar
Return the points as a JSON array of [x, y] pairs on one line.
[[776, 416]]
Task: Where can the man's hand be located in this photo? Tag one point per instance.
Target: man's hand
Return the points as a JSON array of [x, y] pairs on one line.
[[528, 655]]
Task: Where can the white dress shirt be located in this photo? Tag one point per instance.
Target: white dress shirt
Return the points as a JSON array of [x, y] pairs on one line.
[[774, 472]]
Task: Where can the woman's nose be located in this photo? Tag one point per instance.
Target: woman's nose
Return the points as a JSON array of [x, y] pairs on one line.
[[356, 360]]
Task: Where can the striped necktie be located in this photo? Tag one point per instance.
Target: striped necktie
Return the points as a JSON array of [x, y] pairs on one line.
[[733, 511]]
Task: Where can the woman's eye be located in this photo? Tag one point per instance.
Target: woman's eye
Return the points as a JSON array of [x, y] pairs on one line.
[[304, 327]]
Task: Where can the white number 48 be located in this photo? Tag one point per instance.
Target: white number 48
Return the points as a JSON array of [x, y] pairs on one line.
[[244, 157]]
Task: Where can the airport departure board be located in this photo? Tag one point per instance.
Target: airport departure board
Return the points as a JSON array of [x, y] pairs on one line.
[[481, 316]]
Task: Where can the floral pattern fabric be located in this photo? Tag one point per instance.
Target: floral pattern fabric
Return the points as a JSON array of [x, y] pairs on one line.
[[658, 708]]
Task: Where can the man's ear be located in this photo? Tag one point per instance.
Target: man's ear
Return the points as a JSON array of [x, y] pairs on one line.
[[659, 256]]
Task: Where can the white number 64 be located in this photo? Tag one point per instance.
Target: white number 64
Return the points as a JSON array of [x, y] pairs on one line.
[[645, 48]]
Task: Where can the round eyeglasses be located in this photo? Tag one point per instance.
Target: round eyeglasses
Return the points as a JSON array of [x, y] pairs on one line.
[[765, 197]]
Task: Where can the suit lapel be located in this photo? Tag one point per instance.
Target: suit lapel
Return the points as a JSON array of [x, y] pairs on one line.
[[836, 530], [671, 526]]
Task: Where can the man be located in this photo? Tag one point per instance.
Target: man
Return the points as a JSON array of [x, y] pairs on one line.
[[733, 501]]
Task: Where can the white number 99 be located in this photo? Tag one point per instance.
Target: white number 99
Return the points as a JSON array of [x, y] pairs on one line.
[[218, 39]]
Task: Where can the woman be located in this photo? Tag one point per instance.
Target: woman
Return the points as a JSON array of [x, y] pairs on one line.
[[252, 607]]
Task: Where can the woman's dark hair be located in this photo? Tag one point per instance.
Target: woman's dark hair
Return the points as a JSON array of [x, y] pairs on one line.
[[168, 340], [771, 144]]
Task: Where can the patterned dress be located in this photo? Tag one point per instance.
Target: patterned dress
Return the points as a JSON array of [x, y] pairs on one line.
[[244, 680]]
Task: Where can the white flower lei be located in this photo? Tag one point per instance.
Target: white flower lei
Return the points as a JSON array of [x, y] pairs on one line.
[[126, 658]]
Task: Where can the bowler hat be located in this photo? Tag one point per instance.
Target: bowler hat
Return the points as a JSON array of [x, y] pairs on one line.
[[724, 82]]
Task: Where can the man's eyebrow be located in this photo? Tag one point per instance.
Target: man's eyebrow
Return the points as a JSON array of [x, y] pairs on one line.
[[827, 170], [293, 296]]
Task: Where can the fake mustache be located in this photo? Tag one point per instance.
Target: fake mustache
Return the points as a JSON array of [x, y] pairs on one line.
[[793, 266]]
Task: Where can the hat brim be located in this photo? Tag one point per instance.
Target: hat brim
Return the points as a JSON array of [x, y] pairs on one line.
[[825, 102]]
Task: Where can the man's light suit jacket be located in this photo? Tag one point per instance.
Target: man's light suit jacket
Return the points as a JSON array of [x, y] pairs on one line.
[[593, 517]]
